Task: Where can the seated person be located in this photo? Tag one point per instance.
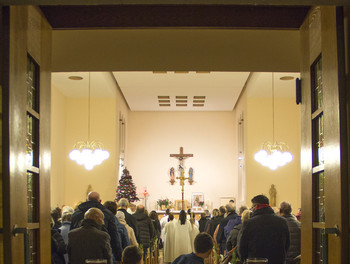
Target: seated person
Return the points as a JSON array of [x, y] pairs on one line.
[[131, 255], [203, 245]]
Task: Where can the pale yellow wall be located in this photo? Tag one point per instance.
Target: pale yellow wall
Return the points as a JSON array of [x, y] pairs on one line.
[[209, 136], [287, 129], [58, 151], [69, 181]]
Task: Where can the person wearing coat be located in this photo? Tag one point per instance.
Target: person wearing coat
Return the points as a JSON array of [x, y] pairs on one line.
[[294, 231], [90, 241], [94, 201], [131, 234], [264, 235], [58, 246], [129, 218], [232, 239], [146, 228]]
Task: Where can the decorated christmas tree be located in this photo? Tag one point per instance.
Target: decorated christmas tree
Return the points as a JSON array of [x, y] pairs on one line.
[[126, 188]]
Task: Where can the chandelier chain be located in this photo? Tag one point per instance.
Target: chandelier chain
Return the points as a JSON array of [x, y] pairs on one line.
[[89, 106], [273, 109]]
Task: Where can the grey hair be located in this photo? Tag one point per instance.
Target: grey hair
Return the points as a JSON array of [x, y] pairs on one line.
[[120, 215], [229, 208], [123, 202]]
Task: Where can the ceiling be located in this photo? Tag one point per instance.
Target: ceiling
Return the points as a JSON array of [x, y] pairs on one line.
[[144, 91]]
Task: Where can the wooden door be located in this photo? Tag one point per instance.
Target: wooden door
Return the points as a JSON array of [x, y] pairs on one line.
[[26, 95], [324, 139]]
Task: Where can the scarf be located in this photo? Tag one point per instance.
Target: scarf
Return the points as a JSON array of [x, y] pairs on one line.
[[259, 206]]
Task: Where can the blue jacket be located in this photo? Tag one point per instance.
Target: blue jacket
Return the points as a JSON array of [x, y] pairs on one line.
[[123, 233]]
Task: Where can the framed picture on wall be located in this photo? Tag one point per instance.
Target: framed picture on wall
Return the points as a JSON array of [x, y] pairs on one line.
[[197, 199]]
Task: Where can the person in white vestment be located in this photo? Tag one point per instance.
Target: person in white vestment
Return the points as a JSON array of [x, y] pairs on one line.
[[194, 232], [169, 240], [182, 235], [163, 222]]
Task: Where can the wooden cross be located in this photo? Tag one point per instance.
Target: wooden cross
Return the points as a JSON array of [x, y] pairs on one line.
[[181, 156], [182, 178]]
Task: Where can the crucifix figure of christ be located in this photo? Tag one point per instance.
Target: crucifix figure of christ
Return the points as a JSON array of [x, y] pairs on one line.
[[181, 157]]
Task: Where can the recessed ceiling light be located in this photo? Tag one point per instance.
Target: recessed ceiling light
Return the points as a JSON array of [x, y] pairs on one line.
[[286, 78], [75, 78]]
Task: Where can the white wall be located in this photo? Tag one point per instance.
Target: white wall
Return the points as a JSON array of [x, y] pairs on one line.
[[209, 136]]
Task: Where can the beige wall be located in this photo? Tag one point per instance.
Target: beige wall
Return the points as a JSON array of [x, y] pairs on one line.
[[69, 181], [209, 136], [258, 120]]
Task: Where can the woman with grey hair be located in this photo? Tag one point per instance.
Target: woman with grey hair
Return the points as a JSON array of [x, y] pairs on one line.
[[121, 217]]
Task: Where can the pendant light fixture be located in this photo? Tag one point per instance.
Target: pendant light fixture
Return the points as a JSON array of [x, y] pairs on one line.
[[88, 153], [273, 154]]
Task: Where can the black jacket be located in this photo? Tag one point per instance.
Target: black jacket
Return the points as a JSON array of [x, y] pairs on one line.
[[202, 222], [294, 231], [214, 223], [131, 221], [58, 248], [146, 229], [221, 236], [232, 239], [264, 235], [109, 220]]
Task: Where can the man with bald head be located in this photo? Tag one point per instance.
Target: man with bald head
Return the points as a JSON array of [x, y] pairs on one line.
[[89, 241], [94, 201]]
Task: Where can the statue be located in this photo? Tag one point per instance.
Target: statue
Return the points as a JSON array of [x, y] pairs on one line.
[[88, 190], [273, 194]]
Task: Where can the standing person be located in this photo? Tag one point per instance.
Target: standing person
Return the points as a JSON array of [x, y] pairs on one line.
[[129, 218], [294, 232], [203, 245], [64, 229], [131, 234], [122, 232], [203, 222], [232, 239], [89, 241], [182, 235], [264, 235], [146, 228], [216, 222], [94, 201], [164, 219], [221, 238], [194, 232], [58, 246], [156, 224], [169, 240]]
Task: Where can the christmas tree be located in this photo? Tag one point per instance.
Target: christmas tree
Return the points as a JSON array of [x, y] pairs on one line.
[[126, 188]]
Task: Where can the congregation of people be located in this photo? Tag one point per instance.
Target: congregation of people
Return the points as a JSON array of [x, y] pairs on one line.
[[120, 233]]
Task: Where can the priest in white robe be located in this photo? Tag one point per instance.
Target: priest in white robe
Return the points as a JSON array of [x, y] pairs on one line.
[[182, 235]]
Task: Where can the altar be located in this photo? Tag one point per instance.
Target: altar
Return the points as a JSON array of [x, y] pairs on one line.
[[176, 213]]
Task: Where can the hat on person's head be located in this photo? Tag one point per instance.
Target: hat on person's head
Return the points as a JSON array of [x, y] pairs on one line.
[[260, 199]]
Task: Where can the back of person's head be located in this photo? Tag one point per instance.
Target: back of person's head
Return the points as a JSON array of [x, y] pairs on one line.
[[260, 199], [203, 242], [285, 208], [67, 217], [111, 206], [242, 209], [222, 210], [229, 208], [94, 214], [207, 213], [67, 210], [123, 203], [153, 215], [56, 214], [120, 215], [171, 217], [189, 211], [215, 212], [94, 196], [245, 215], [131, 255], [182, 217], [167, 211], [140, 209], [203, 215]]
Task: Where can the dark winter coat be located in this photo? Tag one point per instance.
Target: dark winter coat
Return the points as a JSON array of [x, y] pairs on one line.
[[89, 242], [221, 236], [232, 239], [157, 228], [295, 232], [146, 228], [109, 220], [202, 223], [58, 248], [264, 235], [214, 223], [131, 221]]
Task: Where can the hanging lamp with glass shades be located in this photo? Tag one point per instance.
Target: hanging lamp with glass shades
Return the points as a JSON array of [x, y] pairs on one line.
[[273, 154], [88, 153]]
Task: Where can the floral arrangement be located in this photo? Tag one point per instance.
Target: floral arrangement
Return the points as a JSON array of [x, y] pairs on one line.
[[201, 204], [164, 202]]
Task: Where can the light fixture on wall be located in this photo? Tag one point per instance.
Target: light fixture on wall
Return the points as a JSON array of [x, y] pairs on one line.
[[88, 153], [275, 154]]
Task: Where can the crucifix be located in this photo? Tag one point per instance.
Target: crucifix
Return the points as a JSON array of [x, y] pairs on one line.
[[181, 157]]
